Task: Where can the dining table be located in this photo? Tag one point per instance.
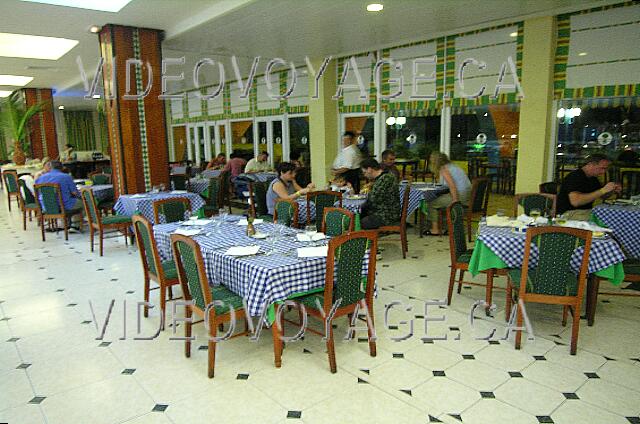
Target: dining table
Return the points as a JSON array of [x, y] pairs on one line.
[[624, 220], [129, 204], [101, 192]]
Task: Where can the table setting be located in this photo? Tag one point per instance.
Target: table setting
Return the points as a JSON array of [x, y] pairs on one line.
[[129, 204]]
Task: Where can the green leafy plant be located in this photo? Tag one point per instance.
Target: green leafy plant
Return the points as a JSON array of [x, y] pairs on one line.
[[14, 120]]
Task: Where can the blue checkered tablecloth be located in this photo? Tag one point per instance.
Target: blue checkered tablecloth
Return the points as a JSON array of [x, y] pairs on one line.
[[101, 191], [257, 176], [260, 279], [302, 211], [211, 173], [415, 197], [509, 246], [430, 192], [625, 223], [128, 204], [198, 185]]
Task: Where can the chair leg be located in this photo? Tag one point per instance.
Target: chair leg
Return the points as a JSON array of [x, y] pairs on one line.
[[126, 236], [331, 351], [211, 363], [24, 220], [101, 241], [163, 301], [66, 229], [575, 328], [452, 281], [9, 201], [187, 333], [42, 227], [403, 241], [277, 345], [519, 332], [489, 291], [460, 281], [469, 227], [507, 308], [371, 329], [146, 296], [91, 232]]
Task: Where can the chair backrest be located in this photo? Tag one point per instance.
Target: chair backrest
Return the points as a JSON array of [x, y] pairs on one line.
[[286, 212], [552, 274], [455, 226], [258, 190], [225, 180], [170, 210], [50, 198], [322, 199], [24, 193], [179, 181], [405, 205], [147, 245], [99, 178], [90, 207], [214, 193], [479, 198], [191, 271], [630, 183], [345, 262], [11, 180], [337, 221], [545, 203], [550, 187]]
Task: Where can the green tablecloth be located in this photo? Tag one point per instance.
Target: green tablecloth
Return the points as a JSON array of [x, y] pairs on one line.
[[483, 259]]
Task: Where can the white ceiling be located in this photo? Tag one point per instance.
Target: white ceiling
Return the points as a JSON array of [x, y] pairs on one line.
[[291, 29]]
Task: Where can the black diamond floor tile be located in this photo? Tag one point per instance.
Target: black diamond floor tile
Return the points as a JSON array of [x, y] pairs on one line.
[[539, 358], [544, 419], [37, 400], [515, 374], [571, 396], [128, 371], [23, 366], [398, 355], [159, 407], [294, 414], [591, 375], [468, 357], [433, 419], [242, 377], [13, 339], [439, 374], [487, 395], [633, 420]]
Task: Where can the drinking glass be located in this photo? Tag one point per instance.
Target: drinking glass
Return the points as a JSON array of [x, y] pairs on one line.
[[501, 212], [222, 214], [561, 219], [534, 213]]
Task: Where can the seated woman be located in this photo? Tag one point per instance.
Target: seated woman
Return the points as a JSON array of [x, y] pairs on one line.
[[217, 162], [340, 184], [285, 186], [453, 177]]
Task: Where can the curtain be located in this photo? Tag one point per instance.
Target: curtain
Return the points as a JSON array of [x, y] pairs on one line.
[[80, 130], [104, 133], [3, 146]]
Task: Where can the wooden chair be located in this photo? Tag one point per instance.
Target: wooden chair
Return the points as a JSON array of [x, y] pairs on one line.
[[322, 199], [171, 210], [550, 187], [226, 189], [99, 178], [196, 288], [337, 221], [258, 195], [119, 223], [545, 203], [10, 178], [164, 273], [27, 203], [214, 200], [179, 181], [52, 208], [424, 173], [630, 183], [286, 213], [400, 228], [478, 201], [461, 255], [346, 254], [551, 281]]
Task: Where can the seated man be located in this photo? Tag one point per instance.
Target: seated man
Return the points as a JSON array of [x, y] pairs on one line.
[[383, 202], [258, 164], [389, 163], [235, 165], [70, 195], [581, 188], [217, 162]]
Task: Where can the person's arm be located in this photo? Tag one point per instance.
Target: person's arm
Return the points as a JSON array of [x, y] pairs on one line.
[[578, 199], [281, 191], [453, 190], [250, 168]]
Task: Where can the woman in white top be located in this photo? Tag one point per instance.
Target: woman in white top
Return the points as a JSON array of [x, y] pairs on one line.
[[451, 176]]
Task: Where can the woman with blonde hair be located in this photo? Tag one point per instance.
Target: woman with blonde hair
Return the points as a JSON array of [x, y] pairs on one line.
[[454, 178]]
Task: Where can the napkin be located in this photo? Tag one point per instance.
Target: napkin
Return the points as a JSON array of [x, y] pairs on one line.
[[196, 222], [314, 237], [255, 221], [243, 250], [498, 221], [313, 252], [187, 232], [136, 196], [178, 191], [584, 225]]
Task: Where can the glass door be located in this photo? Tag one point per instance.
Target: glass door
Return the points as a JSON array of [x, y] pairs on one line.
[[271, 139]]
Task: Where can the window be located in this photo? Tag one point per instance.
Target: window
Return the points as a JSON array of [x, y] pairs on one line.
[[413, 137], [363, 128], [242, 138], [299, 139]]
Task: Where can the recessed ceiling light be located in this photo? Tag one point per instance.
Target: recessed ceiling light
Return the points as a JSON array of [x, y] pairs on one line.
[[94, 29], [101, 5], [374, 7], [34, 46], [96, 96], [15, 80], [61, 107], [513, 34], [5, 93], [582, 54]]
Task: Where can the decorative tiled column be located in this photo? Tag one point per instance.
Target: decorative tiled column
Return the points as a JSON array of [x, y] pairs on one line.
[[137, 131], [42, 126]]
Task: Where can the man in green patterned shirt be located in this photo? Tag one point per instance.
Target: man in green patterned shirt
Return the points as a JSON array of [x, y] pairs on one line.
[[383, 203]]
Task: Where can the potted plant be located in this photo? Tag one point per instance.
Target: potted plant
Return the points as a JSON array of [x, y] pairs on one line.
[[14, 119]]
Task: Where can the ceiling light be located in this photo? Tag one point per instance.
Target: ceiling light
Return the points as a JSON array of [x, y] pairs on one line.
[[94, 29], [101, 5], [401, 120], [15, 80], [61, 107], [34, 47], [5, 93], [514, 135], [391, 120], [374, 7], [96, 96], [513, 34], [560, 113], [582, 54]]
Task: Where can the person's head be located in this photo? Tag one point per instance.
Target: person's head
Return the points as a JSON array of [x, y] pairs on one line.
[[47, 166], [263, 156], [234, 154], [437, 160], [371, 168], [286, 171], [221, 156], [55, 164], [388, 157], [339, 181], [69, 147], [596, 165], [348, 138]]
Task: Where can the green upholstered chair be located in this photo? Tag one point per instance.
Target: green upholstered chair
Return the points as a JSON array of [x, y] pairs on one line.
[[164, 273], [401, 227], [52, 208], [321, 199], [258, 194], [551, 280], [179, 181], [344, 282], [196, 288], [99, 178], [550, 187], [171, 210], [461, 255], [545, 203], [478, 201], [225, 189], [337, 221], [214, 197], [27, 202], [10, 178], [286, 213], [103, 225]]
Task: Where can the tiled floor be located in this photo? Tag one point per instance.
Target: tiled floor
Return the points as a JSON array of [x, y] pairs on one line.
[[53, 370]]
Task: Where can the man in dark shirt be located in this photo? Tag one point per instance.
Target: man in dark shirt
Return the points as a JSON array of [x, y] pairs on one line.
[[581, 188], [383, 202], [389, 163]]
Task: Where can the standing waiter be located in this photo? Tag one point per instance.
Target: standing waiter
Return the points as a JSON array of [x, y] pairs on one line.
[[347, 163]]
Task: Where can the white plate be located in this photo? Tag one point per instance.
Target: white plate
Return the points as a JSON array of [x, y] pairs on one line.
[[260, 236]]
